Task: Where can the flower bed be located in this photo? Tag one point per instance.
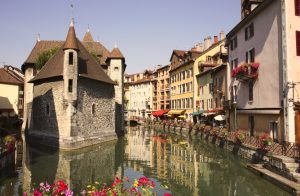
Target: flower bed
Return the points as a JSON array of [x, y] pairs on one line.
[[245, 71], [141, 186]]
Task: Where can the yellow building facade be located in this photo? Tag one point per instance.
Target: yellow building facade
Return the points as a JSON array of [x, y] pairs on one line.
[[203, 83], [181, 78]]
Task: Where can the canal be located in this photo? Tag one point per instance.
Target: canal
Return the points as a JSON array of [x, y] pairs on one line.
[[178, 165]]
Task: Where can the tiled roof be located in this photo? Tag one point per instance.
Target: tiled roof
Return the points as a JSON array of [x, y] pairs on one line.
[[88, 67], [116, 53], [88, 37], [7, 78], [182, 64], [143, 80], [180, 52], [44, 45], [71, 40]]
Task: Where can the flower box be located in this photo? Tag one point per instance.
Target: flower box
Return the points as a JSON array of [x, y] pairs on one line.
[[246, 71]]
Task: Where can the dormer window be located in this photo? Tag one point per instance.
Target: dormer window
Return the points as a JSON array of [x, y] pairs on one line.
[[71, 58]]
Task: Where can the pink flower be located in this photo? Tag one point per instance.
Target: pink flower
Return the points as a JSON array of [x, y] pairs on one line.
[[167, 194], [24, 194], [255, 65], [68, 192], [37, 193], [83, 192]]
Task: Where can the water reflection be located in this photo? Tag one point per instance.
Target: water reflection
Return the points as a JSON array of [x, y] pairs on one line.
[[181, 166]]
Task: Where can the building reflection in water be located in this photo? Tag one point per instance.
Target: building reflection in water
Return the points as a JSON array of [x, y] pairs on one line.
[[78, 168], [184, 166], [191, 166]]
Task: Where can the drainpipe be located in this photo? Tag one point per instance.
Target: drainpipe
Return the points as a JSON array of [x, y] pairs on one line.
[[284, 72]]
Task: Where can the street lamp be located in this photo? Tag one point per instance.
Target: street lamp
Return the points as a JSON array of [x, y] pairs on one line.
[[234, 106]]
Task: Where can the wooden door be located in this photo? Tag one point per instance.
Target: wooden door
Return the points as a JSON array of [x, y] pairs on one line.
[[297, 126]]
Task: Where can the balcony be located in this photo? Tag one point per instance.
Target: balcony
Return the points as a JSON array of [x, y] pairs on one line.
[[245, 72], [162, 98]]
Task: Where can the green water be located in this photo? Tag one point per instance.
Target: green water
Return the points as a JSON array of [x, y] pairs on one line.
[[178, 165]]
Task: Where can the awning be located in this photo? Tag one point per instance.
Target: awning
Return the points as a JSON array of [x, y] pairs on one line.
[[176, 112], [182, 116], [197, 113], [220, 117], [159, 112]]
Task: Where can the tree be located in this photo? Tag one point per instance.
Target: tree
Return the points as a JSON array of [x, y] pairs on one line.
[[44, 57]]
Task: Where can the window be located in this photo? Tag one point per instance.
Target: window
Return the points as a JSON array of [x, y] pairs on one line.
[[298, 43], [249, 31], [235, 63], [250, 90], [71, 58], [191, 102], [274, 130], [70, 87], [116, 68], [48, 109], [297, 7], [251, 125], [183, 75], [250, 56], [93, 110], [233, 43]]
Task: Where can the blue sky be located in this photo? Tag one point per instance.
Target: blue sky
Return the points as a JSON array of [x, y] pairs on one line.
[[146, 31]]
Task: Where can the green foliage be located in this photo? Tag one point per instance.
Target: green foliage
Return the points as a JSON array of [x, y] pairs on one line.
[[44, 57], [94, 55]]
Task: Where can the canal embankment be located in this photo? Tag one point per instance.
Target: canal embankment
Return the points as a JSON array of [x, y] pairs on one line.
[[275, 162]]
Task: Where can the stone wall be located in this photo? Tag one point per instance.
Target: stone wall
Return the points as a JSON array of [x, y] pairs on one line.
[[116, 73], [50, 93], [102, 122]]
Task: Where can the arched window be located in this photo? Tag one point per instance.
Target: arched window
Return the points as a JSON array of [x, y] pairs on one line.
[[93, 109]]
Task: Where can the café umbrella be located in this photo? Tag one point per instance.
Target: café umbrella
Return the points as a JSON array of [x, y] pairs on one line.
[[220, 117]]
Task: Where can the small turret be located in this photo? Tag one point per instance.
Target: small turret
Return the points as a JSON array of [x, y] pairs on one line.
[[70, 71], [116, 68]]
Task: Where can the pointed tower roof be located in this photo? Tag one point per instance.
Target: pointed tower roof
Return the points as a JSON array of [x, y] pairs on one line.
[[88, 36], [116, 53], [71, 40]]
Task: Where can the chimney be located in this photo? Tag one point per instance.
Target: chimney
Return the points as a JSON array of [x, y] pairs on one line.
[[215, 39], [205, 44], [209, 41], [222, 35], [199, 47]]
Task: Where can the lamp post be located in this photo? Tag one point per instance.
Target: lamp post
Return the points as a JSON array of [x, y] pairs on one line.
[[234, 106]]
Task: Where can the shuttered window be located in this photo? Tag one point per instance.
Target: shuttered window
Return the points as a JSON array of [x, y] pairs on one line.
[[297, 7], [298, 43]]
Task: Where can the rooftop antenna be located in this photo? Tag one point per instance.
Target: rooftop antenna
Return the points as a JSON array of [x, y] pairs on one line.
[[38, 37], [72, 14]]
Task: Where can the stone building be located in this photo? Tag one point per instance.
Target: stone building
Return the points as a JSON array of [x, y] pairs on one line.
[[76, 99]]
